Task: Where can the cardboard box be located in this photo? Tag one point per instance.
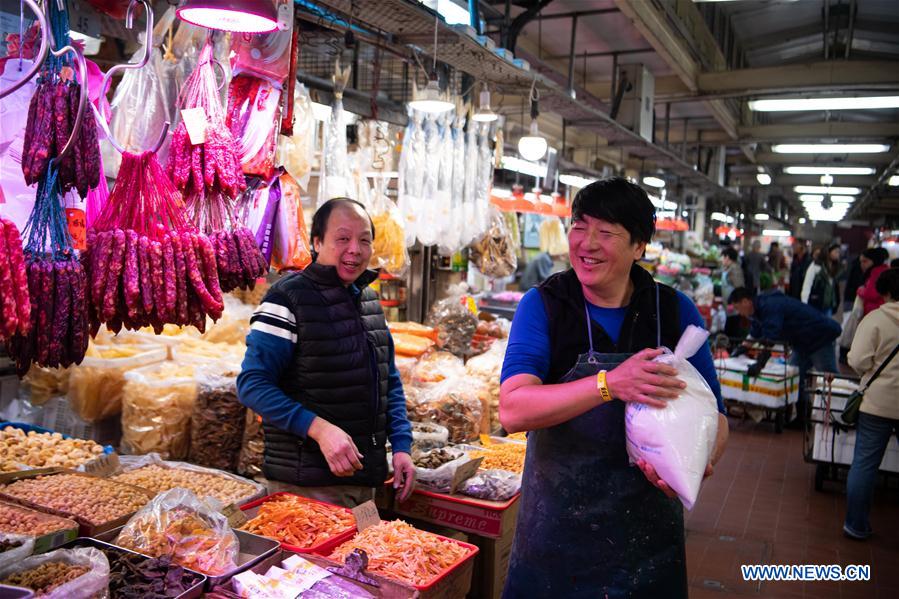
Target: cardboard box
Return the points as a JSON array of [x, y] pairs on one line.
[[492, 519], [491, 566]]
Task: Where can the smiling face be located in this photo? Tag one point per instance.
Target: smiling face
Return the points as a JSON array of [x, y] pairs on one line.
[[347, 242], [601, 253]]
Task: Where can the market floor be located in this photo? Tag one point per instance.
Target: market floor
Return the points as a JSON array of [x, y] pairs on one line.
[[760, 507]]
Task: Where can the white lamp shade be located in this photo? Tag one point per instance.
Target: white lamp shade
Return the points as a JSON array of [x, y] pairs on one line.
[[532, 146]]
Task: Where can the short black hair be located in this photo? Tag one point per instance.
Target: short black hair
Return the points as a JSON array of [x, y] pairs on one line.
[[739, 294], [894, 263], [730, 253], [876, 255], [321, 216], [888, 283], [618, 201]]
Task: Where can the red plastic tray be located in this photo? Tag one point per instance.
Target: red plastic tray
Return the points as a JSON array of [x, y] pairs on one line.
[[422, 588], [327, 545]]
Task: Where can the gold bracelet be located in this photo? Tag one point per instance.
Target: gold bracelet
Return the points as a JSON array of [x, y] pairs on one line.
[[603, 387]]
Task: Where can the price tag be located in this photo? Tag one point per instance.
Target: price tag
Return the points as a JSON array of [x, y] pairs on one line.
[[103, 466], [235, 516], [77, 228], [366, 515], [464, 472], [196, 123]]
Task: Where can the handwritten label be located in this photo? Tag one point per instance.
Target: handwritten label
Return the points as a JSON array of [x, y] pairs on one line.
[[103, 466], [464, 472], [196, 123], [366, 515], [77, 228], [235, 516]]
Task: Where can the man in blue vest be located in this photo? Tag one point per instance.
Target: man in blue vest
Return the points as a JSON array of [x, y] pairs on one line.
[[320, 371]]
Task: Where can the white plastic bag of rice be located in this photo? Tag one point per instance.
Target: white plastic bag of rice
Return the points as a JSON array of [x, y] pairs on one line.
[[677, 440]]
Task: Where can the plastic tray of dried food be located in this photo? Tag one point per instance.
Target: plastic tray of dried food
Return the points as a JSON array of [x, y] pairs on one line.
[[107, 449], [433, 587], [86, 528], [250, 510], [63, 530], [253, 550], [132, 463], [195, 590]]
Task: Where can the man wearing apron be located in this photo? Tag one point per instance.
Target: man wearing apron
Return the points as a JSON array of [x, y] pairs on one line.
[[582, 344]]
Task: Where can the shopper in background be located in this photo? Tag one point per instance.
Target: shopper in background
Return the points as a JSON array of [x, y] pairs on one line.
[[590, 524], [777, 266], [878, 419], [732, 274], [798, 267], [537, 270], [809, 332], [820, 289], [320, 371], [754, 263], [855, 278], [873, 262]]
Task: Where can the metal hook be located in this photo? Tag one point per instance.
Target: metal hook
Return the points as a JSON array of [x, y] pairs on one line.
[[104, 88], [41, 55], [82, 99], [148, 44]]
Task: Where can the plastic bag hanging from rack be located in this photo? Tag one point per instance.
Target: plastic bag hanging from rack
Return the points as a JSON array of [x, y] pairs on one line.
[[336, 179], [412, 175], [470, 229], [428, 228], [452, 241]]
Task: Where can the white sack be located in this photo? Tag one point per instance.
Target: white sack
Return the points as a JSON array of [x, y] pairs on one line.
[[677, 440]]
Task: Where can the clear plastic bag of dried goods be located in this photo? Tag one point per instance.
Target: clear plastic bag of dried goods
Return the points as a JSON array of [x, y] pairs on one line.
[[296, 152], [216, 427], [191, 531], [79, 573], [427, 436], [14, 547], [435, 469], [492, 485], [437, 366], [411, 175], [453, 403], [252, 447], [157, 404], [495, 253], [389, 248], [677, 440], [454, 320]]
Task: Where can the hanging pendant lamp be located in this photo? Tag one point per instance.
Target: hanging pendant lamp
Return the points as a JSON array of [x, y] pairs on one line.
[[244, 16], [533, 146]]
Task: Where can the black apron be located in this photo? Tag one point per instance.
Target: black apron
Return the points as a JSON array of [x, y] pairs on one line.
[[590, 524]]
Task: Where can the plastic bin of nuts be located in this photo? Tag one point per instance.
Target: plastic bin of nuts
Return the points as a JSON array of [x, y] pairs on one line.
[[156, 475], [96, 504], [25, 447]]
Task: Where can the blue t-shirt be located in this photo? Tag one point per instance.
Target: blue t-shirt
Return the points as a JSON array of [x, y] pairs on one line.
[[529, 352]]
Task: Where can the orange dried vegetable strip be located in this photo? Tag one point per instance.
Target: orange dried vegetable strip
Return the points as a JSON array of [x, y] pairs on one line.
[[400, 551], [298, 522]]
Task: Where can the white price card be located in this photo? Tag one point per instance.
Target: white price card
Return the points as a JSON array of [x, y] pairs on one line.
[[196, 123]]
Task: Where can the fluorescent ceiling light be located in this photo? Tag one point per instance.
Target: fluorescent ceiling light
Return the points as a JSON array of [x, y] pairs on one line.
[[802, 220], [653, 181], [826, 180], [842, 103], [763, 178], [811, 198], [452, 13], [761, 216], [842, 199], [720, 216], [894, 181], [829, 170], [525, 167], [665, 214], [776, 233], [827, 190], [829, 148], [661, 204], [574, 180]]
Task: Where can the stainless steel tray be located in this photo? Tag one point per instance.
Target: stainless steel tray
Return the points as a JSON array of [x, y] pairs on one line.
[[8, 592], [194, 591], [253, 549]]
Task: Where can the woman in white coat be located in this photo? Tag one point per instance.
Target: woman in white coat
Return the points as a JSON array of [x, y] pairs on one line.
[[875, 340]]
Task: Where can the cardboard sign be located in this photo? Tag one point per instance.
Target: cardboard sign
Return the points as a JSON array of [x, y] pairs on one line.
[[196, 123], [103, 466], [464, 472], [366, 515], [235, 516]]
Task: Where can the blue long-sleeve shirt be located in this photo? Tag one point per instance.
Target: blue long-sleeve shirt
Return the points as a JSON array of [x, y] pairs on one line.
[[529, 349], [270, 349]]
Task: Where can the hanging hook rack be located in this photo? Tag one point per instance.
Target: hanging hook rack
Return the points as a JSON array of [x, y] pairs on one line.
[[41, 55], [104, 88]]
